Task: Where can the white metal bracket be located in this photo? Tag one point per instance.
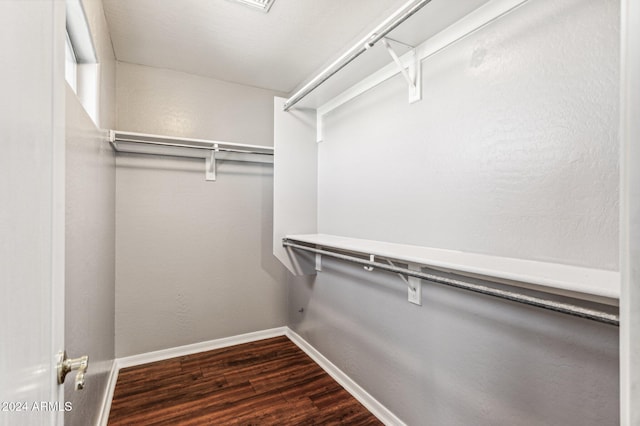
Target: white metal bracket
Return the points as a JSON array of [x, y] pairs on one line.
[[318, 262], [412, 73], [210, 164], [372, 258], [414, 284]]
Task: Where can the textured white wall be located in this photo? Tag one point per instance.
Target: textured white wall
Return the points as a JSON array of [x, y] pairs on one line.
[[513, 151], [166, 102], [194, 259], [106, 62], [90, 232]]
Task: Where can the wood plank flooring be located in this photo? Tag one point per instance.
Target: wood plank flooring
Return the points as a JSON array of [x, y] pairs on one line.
[[268, 382]]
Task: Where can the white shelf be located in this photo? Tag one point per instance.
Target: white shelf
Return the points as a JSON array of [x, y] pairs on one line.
[[210, 151], [431, 20], [585, 283], [142, 143]]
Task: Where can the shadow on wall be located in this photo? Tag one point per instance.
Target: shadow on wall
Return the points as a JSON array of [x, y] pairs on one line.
[[467, 356], [268, 261], [300, 291]]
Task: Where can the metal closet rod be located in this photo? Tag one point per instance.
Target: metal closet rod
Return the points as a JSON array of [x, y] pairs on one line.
[[391, 23], [179, 145], [565, 308]]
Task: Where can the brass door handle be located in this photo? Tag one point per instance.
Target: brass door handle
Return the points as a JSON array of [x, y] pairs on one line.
[[66, 365]]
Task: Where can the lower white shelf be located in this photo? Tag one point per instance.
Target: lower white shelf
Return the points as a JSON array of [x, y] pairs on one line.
[[584, 283]]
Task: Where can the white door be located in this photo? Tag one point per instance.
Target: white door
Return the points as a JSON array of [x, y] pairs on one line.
[[630, 215], [31, 210]]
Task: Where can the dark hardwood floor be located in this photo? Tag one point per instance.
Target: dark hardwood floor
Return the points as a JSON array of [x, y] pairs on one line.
[[268, 382]]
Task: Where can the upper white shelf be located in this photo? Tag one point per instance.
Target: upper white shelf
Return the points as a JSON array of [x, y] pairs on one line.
[[556, 278], [210, 151], [142, 143], [434, 27]]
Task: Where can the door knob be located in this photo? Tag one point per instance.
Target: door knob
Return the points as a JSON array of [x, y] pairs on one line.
[[65, 365]]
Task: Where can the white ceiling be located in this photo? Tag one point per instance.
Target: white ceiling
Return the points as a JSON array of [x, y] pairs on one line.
[[228, 41]]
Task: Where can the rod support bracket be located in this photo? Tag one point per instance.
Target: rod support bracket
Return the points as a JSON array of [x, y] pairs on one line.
[[210, 164], [412, 72], [372, 258], [414, 286]]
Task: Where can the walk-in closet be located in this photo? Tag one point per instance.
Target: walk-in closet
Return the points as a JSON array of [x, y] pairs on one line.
[[320, 212]]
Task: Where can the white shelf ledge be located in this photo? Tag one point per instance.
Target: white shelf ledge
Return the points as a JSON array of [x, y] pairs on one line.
[[142, 143], [584, 283], [210, 151]]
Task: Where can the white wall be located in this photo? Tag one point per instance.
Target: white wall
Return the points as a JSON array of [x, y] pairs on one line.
[[193, 258], [90, 232], [513, 151], [106, 63], [173, 103]]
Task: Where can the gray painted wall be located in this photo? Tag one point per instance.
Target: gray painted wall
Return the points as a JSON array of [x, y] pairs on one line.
[[513, 151], [90, 233], [90, 259], [193, 258]]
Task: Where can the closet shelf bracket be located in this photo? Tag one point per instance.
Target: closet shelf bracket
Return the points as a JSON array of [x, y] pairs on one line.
[[455, 273], [210, 164], [414, 284], [411, 72]]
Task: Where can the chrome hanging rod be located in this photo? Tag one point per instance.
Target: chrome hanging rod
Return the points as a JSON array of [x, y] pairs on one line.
[[551, 305], [391, 23], [205, 148]]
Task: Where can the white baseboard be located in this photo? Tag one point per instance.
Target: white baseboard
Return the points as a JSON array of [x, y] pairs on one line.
[[375, 407], [161, 355], [108, 395]]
